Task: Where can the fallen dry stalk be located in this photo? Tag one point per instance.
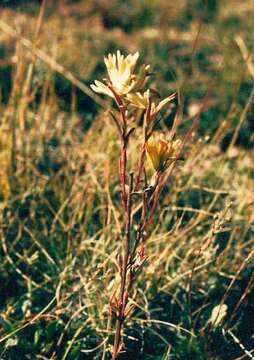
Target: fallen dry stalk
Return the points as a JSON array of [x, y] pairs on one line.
[[52, 63]]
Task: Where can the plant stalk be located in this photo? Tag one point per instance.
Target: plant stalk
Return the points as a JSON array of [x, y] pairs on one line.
[[123, 293]]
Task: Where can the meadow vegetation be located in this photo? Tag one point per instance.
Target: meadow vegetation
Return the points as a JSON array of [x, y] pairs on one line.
[[61, 211]]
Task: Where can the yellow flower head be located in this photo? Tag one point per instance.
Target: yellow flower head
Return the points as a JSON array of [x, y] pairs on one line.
[[142, 101], [120, 71], [161, 152], [138, 100]]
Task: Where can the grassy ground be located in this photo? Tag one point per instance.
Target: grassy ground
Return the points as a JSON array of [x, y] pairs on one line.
[[60, 210]]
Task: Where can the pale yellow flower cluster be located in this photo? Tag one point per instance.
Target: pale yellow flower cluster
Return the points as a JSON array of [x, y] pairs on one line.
[[142, 101], [124, 83], [162, 152], [121, 75], [120, 72]]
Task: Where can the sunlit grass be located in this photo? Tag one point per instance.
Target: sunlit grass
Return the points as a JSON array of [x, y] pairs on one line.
[[61, 215]]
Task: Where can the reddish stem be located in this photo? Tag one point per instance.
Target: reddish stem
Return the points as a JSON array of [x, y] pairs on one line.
[[122, 174]]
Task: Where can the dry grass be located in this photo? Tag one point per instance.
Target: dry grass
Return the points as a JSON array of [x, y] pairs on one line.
[[61, 214]]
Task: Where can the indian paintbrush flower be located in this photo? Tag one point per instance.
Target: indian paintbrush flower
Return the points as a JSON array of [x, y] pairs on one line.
[[161, 152], [127, 88], [120, 71], [142, 101]]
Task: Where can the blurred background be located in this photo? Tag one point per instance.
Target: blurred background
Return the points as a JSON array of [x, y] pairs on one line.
[[191, 45]]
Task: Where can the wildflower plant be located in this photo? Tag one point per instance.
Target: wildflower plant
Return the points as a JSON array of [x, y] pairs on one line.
[[139, 187]]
